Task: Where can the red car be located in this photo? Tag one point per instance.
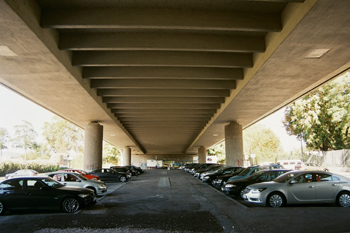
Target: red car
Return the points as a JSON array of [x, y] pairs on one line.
[[84, 173]]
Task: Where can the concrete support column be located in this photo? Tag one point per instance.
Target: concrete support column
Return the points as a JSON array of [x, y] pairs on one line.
[[126, 156], [234, 144], [93, 146], [202, 154]]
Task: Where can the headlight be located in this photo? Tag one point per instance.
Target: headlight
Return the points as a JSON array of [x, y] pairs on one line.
[[83, 195], [206, 177], [102, 186], [230, 186], [258, 190]]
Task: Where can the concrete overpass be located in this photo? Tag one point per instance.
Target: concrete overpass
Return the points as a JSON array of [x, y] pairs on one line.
[[165, 78]]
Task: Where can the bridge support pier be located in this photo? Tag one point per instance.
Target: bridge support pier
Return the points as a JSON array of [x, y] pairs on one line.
[[234, 144], [202, 154], [93, 146], [126, 156]]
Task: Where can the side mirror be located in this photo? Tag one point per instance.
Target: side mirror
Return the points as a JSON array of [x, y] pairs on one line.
[[293, 182]]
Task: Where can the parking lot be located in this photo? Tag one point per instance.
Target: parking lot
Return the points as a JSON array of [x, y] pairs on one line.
[[174, 201]]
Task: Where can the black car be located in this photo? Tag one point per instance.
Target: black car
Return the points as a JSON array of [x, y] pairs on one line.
[[42, 193], [131, 169], [236, 187], [207, 169], [220, 180], [221, 172], [109, 174]]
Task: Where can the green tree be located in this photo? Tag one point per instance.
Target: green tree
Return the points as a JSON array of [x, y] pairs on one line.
[[63, 136], [321, 118], [4, 138], [262, 142], [219, 151], [111, 155], [24, 137]]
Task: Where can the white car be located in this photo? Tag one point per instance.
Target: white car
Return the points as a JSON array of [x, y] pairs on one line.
[[23, 172], [298, 187], [78, 180]]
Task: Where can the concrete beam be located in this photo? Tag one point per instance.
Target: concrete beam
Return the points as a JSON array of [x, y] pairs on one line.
[[161, 41], [163, 73], [164, 84], [162, 58], [163, 106], [209, 100], [164, 93], [148, 18]]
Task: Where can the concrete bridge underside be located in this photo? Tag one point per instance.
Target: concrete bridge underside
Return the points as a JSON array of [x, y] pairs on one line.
[[166, 77]]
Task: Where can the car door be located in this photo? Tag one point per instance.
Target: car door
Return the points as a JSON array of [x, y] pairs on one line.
[[70, 179], [303, 189], [326, 187], [38, 195], [12, 193]]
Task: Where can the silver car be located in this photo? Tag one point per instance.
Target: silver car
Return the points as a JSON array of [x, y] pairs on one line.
[[297, 187], [78, 180]]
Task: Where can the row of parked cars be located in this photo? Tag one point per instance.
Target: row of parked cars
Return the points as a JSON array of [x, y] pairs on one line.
[[273, 185], [68, 190]]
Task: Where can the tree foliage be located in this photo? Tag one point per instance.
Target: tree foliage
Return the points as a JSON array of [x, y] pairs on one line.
[[63, 136], [219, 151], [262, 142], [111, 155], [4, 139], [321, 118], [24, 137]]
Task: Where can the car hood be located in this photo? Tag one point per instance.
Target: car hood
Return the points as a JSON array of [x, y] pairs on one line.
[[263, 184]]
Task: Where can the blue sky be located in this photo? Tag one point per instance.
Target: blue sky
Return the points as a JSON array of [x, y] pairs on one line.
[[15, 109]]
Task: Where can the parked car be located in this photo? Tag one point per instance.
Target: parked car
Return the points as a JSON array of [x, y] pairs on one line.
[[202, 166], [82, 172], [221, 180], [211, 168], [108, 174], [289, 164], [23, 172], [78, 180], [133, 171], [39, 192], [210, 176], [253, 169], [301, 187], [236, 187], [122, 170]]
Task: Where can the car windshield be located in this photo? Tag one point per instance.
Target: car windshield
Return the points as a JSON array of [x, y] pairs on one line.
[[285, 177], [80, 176], [246, 171], [52, 183], [255, 175]]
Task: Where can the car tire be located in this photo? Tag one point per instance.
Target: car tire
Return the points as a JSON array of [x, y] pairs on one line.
[[276, 200], [122, 179], [343, 199], [2, 208], [241, 193], [70, 205]]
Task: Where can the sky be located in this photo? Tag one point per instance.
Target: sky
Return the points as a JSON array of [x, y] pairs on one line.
[[15, 109]]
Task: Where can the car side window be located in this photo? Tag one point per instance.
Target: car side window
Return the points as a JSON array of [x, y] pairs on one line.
[[34, 184], [12, 185], [69, 177], [323, 177], [305, 178]]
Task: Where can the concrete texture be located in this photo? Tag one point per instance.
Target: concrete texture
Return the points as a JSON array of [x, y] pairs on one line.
[[163, 77]]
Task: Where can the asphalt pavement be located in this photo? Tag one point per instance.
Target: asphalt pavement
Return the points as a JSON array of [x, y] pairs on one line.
[[174, 201]]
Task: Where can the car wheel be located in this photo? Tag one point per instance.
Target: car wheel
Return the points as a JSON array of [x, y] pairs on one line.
[[276, 200], [2, 208], [122, 179], [343, 199], [241, 193], [70, 205]]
